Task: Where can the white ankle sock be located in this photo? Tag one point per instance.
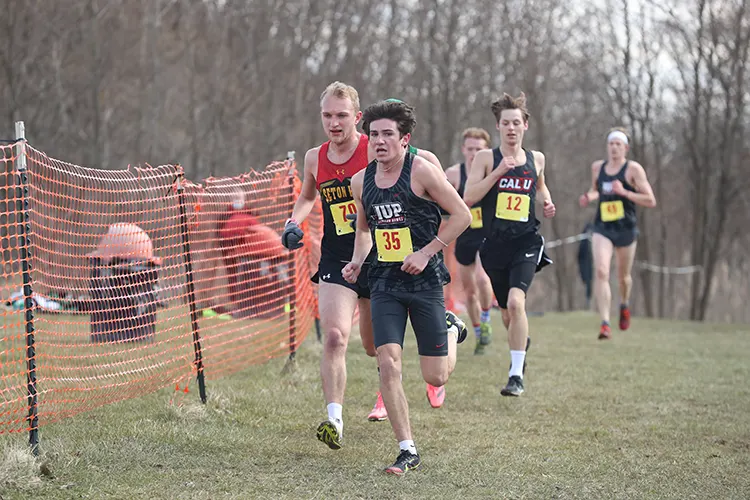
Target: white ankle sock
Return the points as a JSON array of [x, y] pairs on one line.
[[516, 363], [408, 444], [335, 414]]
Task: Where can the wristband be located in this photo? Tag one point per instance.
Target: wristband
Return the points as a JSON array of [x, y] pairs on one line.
[[441, 241]]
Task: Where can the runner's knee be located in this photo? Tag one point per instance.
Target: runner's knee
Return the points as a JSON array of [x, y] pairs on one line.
[[390, 367], [602, 272], [516, 305], [335, 339], [436, 377]]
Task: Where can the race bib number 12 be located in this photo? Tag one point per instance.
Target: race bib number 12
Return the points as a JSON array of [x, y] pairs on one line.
[[393, 244], [511, 206]]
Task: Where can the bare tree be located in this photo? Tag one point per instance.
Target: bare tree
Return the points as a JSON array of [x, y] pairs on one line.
[[223, 87], [717, 39]]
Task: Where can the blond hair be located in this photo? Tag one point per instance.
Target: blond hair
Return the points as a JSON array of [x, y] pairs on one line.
[[342, 91], [476, 133]]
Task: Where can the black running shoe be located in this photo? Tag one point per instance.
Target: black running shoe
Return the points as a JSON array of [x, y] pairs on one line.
[[514, 387], [528, 344], [329, 434], [406, 461], [451, 320]]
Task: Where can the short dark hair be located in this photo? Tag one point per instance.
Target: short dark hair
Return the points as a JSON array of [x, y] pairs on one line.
[[390, 109], [509, 102]]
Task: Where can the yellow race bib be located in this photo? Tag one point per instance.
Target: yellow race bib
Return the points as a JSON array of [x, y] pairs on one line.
[[611, 210], [511, 206], [393, 244], [339, 211], [476, 218]]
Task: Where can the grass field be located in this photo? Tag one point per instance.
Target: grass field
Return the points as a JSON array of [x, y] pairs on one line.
[[661, 411]]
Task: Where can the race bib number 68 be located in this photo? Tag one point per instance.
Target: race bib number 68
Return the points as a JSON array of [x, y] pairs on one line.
[[611, 211]]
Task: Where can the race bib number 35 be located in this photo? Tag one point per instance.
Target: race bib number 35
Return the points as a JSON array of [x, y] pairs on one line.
[[612, 210], [511, 206], [339, 211], [393, 244], [476, 218]]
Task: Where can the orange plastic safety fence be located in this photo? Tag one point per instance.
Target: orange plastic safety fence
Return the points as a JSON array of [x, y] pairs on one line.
[[13, 370], [111, 275], [256, 298]]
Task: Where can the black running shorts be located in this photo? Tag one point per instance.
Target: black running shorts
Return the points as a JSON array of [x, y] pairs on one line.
[[329, 270], [425, 309], [620, 238], [466, 250], [513, 265]]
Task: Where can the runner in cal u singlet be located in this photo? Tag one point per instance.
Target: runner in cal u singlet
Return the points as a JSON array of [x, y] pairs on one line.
[[509, 180]]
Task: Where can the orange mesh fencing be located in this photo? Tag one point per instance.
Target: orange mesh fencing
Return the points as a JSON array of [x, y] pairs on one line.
[[120, 306], [14, 404], [250, 288]]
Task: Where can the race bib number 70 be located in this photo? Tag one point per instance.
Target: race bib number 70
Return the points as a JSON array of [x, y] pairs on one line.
[[393, 244], [339, 211]]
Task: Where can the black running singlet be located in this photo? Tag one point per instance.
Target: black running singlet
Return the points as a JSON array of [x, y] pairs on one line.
[[475, 230], [508, 208], [401, 223], [614, 213]]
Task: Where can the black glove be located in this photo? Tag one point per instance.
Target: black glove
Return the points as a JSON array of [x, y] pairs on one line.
[[353, 220], [291, 238]]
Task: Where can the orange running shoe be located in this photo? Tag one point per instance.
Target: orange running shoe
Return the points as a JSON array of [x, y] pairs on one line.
[[378, 413], [624, 317], [435, 395], [605, 332]]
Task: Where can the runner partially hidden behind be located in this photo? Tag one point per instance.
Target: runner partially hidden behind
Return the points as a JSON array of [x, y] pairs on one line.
[[476, 283]]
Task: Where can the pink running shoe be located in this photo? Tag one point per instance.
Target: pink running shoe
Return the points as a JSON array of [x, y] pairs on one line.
[[378, 413], [435, 395]]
